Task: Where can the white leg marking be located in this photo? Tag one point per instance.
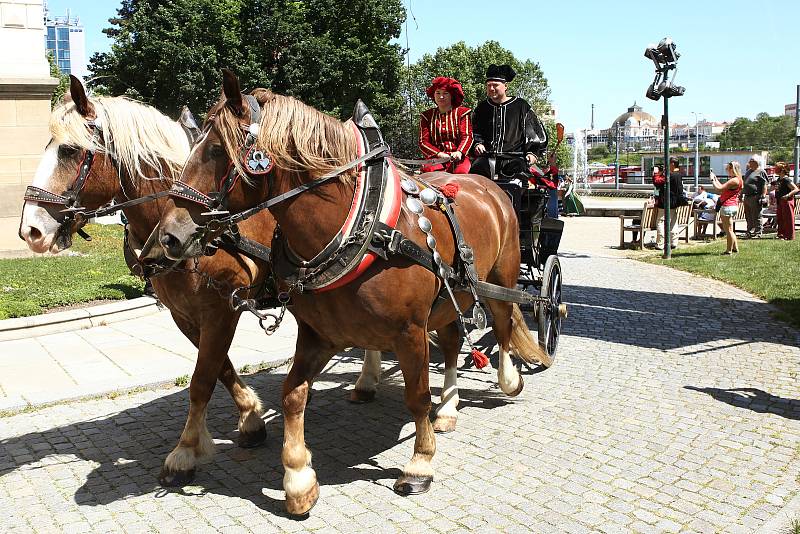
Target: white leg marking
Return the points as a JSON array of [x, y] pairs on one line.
[[507, 374], [370, 371], [449, 402]]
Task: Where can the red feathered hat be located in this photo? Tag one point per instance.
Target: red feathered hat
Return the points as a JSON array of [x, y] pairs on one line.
[[451, 85]]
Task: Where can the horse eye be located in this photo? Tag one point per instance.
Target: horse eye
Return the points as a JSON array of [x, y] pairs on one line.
[[66, 151]]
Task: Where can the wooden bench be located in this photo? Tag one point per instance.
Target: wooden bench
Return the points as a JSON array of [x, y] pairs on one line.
[[697, 212], [739, 217], [683, 219], [647, 222]]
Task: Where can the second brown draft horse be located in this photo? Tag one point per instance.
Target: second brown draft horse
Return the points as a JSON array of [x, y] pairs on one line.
[[390, 306]]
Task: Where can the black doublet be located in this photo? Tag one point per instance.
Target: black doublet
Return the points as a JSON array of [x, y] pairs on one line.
[[508, 127]]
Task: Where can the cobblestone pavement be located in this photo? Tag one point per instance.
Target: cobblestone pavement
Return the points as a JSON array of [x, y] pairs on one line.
[[638, 427]]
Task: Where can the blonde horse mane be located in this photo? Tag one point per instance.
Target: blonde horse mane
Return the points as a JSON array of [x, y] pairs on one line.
[[138, 136], [298, 138]]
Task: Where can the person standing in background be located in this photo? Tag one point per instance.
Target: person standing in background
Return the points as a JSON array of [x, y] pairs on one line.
[[754, 192], [785, 193]]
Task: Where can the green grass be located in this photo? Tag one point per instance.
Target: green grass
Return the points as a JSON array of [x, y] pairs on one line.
[[29, 286], [768, 268]]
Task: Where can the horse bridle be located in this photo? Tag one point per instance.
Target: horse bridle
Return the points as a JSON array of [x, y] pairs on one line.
[[216, 202], [73, 210], [260, 164]]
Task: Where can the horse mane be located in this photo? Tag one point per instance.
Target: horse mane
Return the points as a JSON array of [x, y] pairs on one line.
[[136, 135], [298, 138]]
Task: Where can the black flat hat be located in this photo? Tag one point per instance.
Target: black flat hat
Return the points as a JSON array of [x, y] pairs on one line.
[[500, 73]]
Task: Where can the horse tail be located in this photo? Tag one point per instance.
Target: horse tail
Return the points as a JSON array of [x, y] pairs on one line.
[[522, 343]]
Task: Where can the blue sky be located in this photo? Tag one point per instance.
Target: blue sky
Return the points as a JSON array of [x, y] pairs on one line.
[[738, 58]]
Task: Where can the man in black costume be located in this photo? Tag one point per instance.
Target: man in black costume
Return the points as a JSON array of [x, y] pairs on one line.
[[507, 125]]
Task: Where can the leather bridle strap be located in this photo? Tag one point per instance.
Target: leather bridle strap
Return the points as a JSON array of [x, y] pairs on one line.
[[187, 192], [379, 151]]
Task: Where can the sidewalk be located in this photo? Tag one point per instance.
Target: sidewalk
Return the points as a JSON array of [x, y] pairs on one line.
[[141, 352], [114, 347]]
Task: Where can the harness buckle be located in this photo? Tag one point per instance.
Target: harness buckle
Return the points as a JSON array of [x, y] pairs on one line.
[[216, 213], [393, 243]]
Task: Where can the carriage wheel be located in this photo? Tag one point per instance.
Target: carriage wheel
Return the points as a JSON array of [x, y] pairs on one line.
[[550, 316]]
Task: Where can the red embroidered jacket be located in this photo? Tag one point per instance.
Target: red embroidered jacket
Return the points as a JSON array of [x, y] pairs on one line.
[[445, 132]]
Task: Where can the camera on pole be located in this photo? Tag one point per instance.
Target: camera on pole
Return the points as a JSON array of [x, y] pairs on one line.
[[665, 58]]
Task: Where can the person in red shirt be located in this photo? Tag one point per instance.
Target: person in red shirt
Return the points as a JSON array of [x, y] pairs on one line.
[[446, 130]]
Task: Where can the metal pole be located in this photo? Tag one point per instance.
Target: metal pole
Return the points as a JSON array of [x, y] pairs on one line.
[[616, 165], [797, 138], [696, 154], [667, 231]]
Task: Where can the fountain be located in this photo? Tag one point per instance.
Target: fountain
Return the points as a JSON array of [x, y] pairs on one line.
[[580, 165]]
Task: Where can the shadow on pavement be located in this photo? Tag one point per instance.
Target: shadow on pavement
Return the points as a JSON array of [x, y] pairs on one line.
[[128, 447], [668, 320], [754, 399]]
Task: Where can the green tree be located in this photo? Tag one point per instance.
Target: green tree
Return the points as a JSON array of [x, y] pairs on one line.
[[597, 153], [775, 134], [63, 82], [325, 52]]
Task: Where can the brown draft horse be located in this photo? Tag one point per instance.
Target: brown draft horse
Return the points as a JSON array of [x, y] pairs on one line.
[[389, 307], [138, 141]]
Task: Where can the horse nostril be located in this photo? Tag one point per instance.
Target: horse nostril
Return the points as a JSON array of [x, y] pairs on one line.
[[34, 234]]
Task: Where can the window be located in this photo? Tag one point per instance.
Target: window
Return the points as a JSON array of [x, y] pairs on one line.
[[63, 54], [63, 34], [51, 33]]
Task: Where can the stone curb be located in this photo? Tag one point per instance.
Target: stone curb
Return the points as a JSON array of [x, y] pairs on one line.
[[17, 403], [77, 319]]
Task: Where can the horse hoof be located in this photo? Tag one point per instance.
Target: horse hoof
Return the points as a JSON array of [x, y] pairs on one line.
[[175, 479], [300, 506], [249, 440], [519, 388], [444, 424], [412, 485], [360, 396]]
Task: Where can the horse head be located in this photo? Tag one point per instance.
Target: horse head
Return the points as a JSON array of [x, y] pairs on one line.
[[218, 177], [100, 149]]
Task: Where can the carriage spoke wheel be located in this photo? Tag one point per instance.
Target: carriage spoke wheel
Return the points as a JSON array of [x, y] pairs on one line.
[[548, 315]]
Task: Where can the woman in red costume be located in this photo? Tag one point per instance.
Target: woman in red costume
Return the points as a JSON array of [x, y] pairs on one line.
[[446, 130]]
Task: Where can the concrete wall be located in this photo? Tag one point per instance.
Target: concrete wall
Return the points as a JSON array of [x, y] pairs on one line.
[[25, 90]]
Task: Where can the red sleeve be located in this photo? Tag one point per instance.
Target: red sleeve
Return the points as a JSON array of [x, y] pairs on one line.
[[465, 130], [425, 145]]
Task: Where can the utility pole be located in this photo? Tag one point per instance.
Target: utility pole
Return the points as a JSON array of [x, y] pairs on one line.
[[616, 165], [592, 117], [696, 153], [667, 173]]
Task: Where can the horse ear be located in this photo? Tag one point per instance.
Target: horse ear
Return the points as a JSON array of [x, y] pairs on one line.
[[78, 95], [232, 91]]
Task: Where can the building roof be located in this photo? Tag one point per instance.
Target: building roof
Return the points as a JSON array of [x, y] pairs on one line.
[[635, 112]]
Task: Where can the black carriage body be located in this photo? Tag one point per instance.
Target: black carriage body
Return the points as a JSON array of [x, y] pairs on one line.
[[539, 235]]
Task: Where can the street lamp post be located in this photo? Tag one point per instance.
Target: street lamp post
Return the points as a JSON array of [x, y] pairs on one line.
[[665, 58], [616, 165], [696, 153]]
